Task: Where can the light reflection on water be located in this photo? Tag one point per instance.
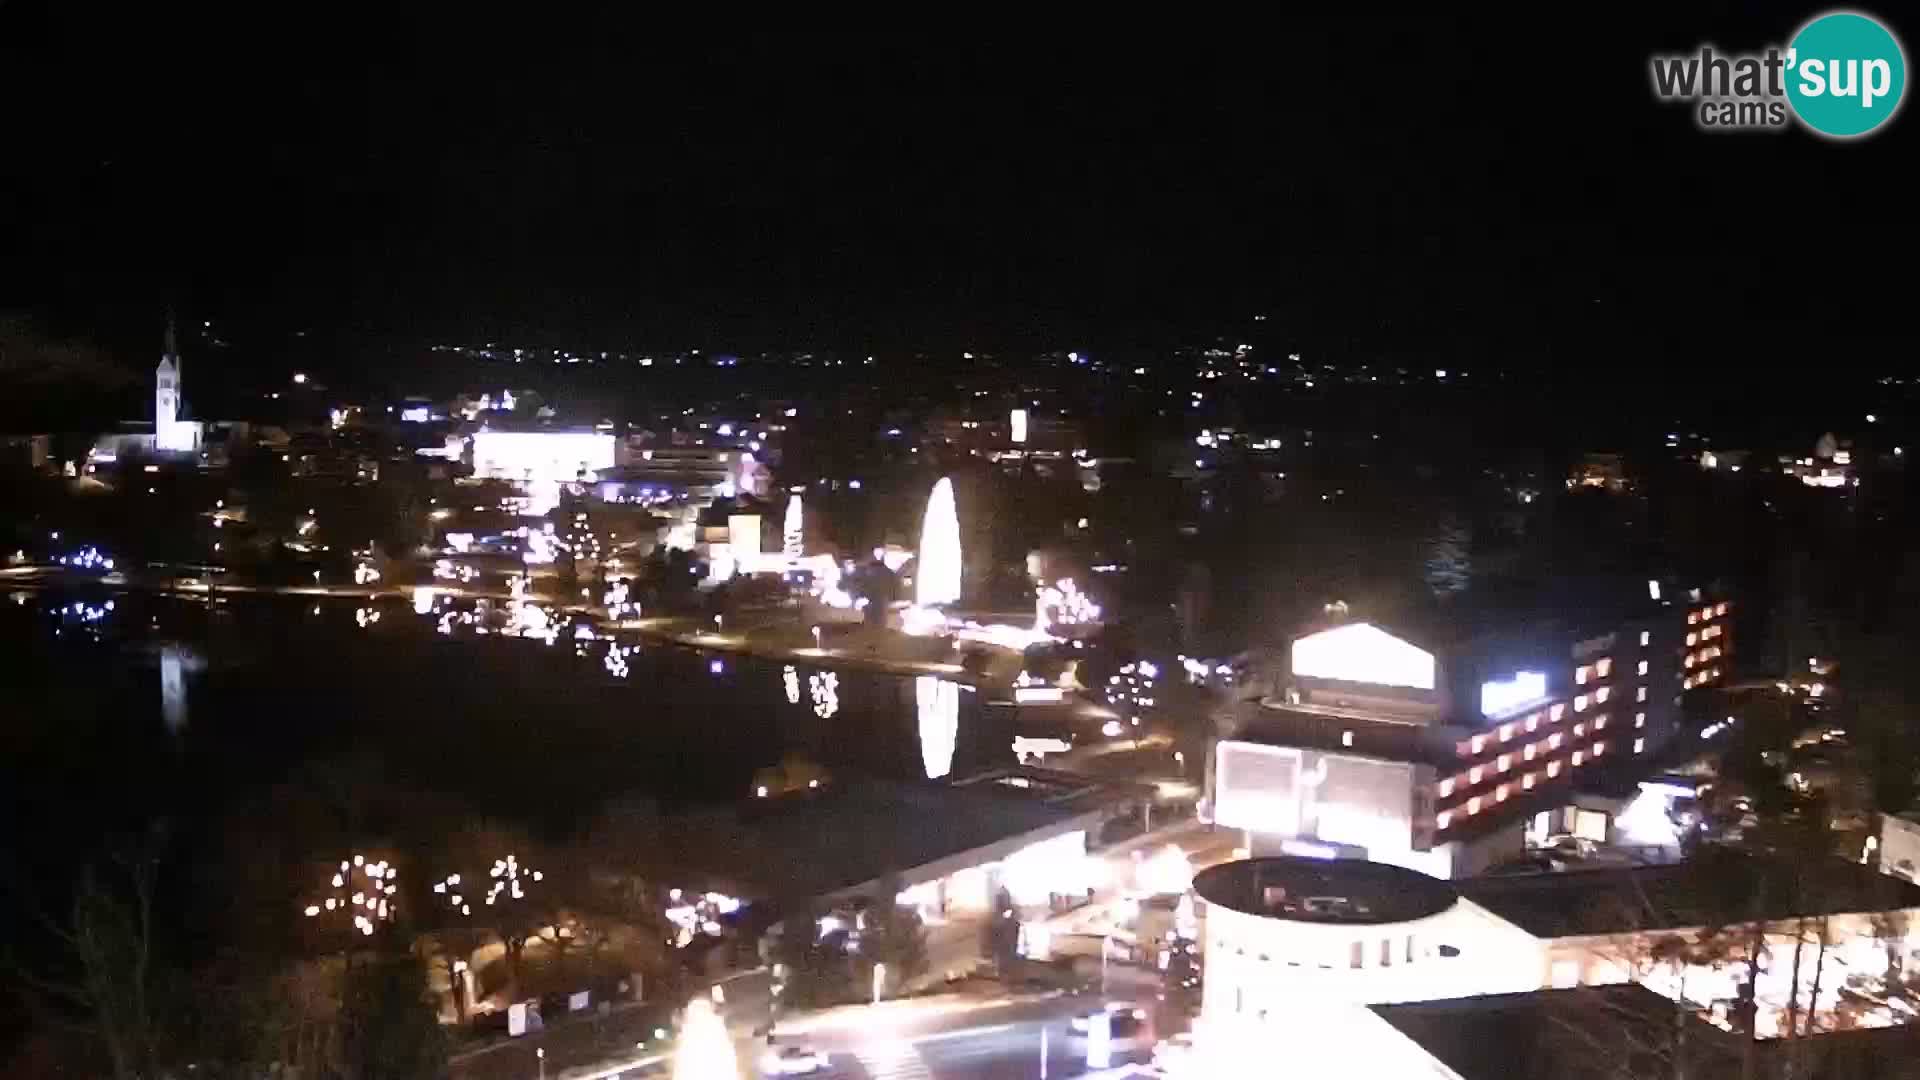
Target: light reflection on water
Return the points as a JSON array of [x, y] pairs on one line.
[[605, 717]]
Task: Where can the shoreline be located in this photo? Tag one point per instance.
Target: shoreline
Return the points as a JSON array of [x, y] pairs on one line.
[[668, 630]]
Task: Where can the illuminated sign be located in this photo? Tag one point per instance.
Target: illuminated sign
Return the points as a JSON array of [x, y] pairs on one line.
[[1018, 421], [1363, 653], [418, 414], [1503, 696]]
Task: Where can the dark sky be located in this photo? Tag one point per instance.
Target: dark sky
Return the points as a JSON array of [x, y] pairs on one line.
[[1376, 186]]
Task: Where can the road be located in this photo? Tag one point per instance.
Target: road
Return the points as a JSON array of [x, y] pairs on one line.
[[938, 1037], [912, 1043]]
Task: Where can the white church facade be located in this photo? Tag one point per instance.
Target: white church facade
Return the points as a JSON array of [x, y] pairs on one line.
[[171, 436]]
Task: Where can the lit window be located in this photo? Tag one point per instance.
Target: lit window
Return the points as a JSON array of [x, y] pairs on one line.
[[1578, 757], [1686, 683], [1506, 732], [1692, 617], [1689, 660], [1526, 754], [1500, 793], [1645, 637], [1446, 787], [1346, 738], [1640, 694], [1581, 674], [1579, 731], [1692, 639], [1720, 608], [1473, 775], [1479, 743], [1473, 805], [1601, 695], [1643, 667], [1706, 613], [1639, 719], [1556, 712], [1599, 748], [1603, 667], [1639, 745], [1553, 741], [1503, 763], [1600, 723], [1443, 819], [1526, 782], [1553, 769], [1533, 722], [1580, 703]]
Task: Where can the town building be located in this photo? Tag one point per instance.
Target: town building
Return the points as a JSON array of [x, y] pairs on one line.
[[1308, 947], [1438, 758]]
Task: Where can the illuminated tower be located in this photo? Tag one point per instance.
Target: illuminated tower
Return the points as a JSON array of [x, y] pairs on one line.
[[170, 433], [166, 385], [937, 577]]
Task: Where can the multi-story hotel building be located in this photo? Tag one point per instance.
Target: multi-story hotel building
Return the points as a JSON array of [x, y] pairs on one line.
[[1435, 751]]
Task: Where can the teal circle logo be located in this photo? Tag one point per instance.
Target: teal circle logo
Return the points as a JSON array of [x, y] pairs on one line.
[[1845, 74]]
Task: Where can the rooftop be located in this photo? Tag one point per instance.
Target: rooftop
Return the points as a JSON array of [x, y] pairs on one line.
[[858, 831], [1589, 1032], [1711, 887], [1323, 891], [1604, 1032]]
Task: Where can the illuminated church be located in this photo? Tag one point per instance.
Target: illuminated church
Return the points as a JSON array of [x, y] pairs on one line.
[[171, 436]]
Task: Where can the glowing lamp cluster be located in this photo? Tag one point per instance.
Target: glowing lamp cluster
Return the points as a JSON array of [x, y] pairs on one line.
[[362, 889], [507, 874], [1363, 653]]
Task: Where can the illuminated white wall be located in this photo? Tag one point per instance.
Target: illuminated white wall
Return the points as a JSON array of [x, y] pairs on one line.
[[1257, 964], [743, 536], [1283, 791], [541, 456], [1257, 788], [1363, 653]]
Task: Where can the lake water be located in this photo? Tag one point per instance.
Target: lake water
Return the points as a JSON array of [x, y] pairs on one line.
[[170, 707]]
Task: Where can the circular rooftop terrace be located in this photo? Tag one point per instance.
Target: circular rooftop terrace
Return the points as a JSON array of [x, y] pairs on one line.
[[1339, 891]]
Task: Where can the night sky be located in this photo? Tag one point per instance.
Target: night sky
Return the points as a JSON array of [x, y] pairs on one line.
[[1376, 187]]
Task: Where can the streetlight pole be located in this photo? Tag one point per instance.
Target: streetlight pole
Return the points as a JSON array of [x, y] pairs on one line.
[[540, 1055]]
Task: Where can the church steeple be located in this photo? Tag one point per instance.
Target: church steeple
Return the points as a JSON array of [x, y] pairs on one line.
[[166, 384]]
